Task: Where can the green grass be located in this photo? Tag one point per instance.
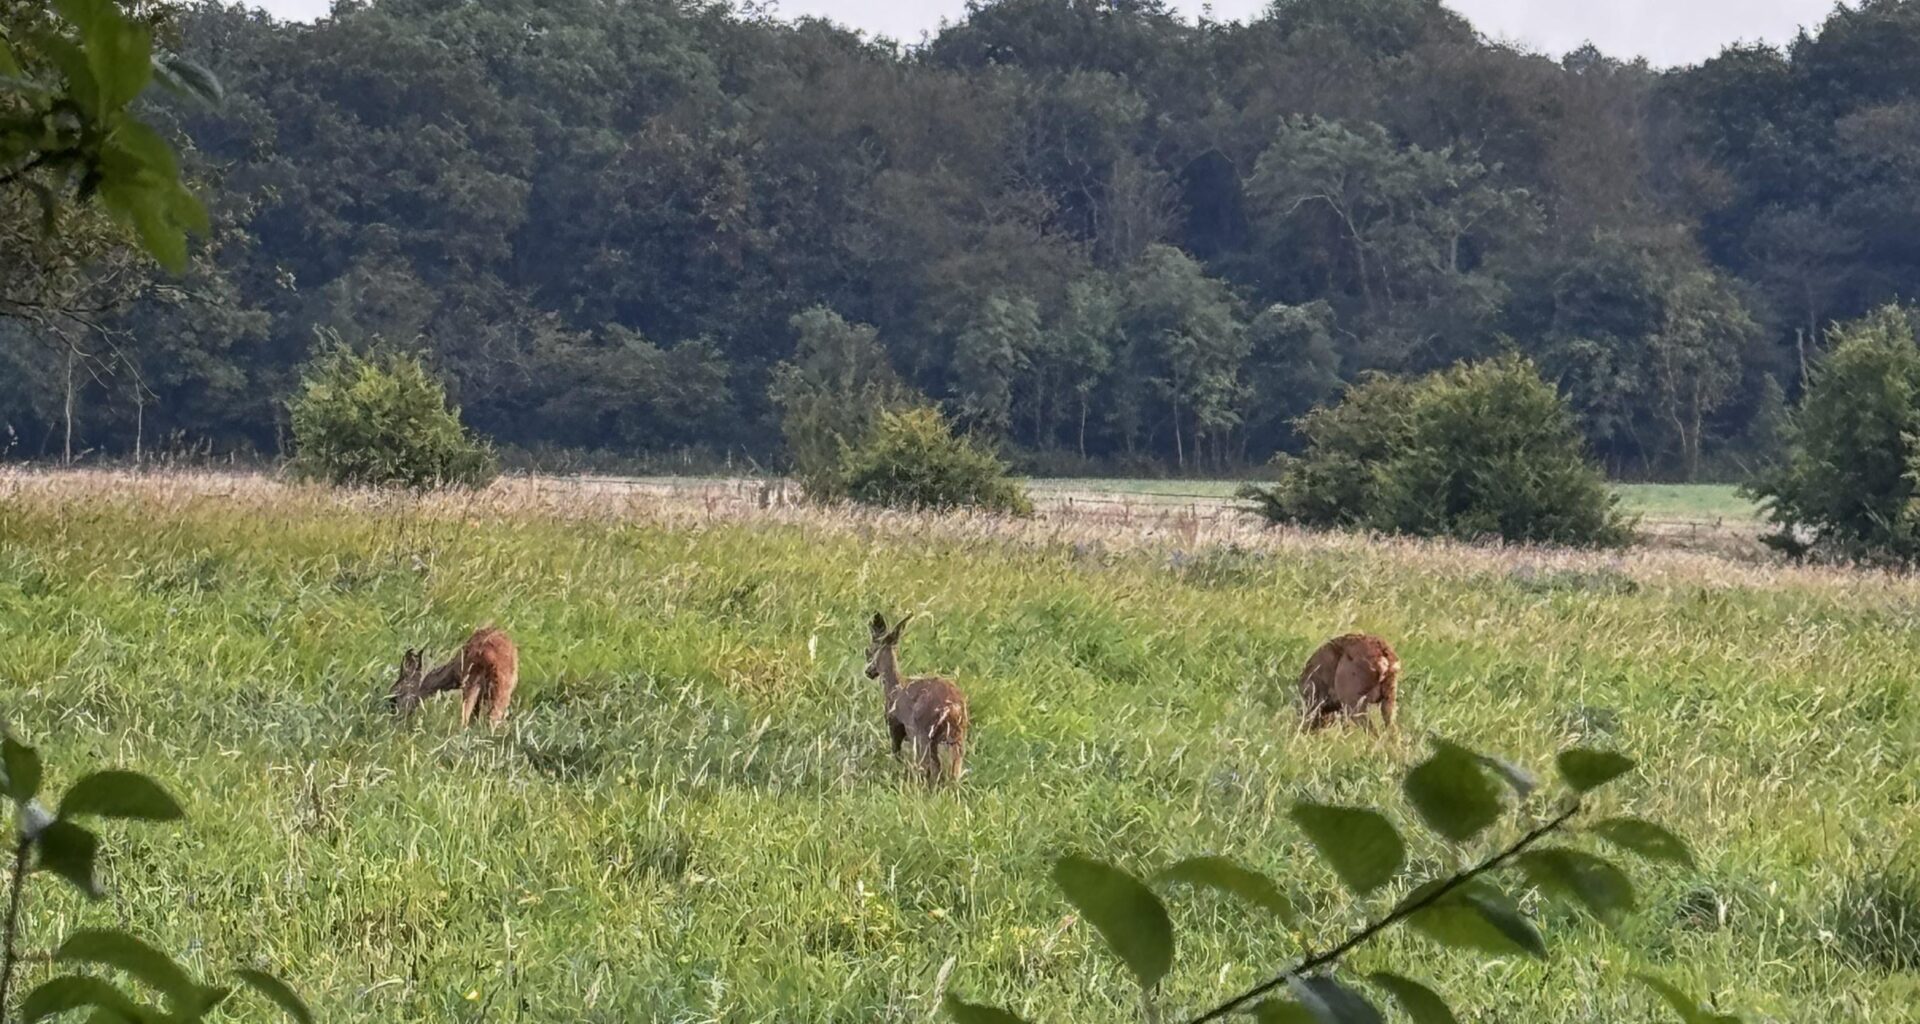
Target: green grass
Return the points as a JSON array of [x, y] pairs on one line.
[[1688, 502], [693, 818]]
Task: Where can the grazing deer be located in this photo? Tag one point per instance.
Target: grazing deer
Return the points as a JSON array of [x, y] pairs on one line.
[[929, 709], [1347, 676], [484, 672]]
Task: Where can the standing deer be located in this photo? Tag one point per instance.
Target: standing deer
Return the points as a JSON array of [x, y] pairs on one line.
[[929, 709], [485, 672], [1347, 676]]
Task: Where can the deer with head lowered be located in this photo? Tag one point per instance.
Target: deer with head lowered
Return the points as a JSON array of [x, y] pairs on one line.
[[1346, 678], [485, 672], [929, 710]]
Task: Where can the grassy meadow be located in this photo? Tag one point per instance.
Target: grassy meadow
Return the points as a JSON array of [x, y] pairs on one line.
[[692, 816]]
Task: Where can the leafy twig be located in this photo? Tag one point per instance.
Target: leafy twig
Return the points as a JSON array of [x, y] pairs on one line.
[[1400, 913]]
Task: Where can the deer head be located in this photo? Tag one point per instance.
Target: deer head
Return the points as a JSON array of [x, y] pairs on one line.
[[881, 643], [406, 690]]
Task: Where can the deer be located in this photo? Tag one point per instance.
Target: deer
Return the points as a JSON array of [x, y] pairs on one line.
[[928, 709], [1347, 677], [485, 672]]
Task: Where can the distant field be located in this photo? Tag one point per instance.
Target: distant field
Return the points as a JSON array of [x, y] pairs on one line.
[[692, 817], [1679, 502]]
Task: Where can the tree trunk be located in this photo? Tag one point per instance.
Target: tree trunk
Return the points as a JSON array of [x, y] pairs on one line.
[[67, 457]]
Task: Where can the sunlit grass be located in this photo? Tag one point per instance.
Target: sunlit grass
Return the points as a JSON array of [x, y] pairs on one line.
[[693, 818]]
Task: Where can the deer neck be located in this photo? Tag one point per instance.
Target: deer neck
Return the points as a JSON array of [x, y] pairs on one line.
[[889, 665]]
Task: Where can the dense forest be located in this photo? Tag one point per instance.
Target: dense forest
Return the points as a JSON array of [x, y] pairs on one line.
[[1097, 234]]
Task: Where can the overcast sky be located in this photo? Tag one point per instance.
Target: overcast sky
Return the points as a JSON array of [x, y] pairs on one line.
[[1666, 32]]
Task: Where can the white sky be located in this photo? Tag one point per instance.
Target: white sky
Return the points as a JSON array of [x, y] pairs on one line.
[[1666, 32]]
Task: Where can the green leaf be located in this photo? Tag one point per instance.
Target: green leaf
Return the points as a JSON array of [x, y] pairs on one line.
[[86, 15], [1478, 917], [1586, 769], [972, 1013], [159, 236], [1420, 1003], [1690, 1011], [1452, 793], [146, 147], [120, 794], [185, 77], [1331, 1002], [72, 991], [124, 952], [120, 53], [1362, 846], [1226, 876], [1646, 839], [22, 766], [68, 850], [279, 991], [1522, 780], [1281, 1011], [1126, 913], [1596, 884]]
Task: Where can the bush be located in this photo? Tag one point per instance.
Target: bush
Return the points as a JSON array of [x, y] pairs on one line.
[[382, 420], [912, 459], [1845, 482], [830, 393], [1477, 451]]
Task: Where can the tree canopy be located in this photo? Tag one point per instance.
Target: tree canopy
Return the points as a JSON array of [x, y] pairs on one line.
[[1093, 231]]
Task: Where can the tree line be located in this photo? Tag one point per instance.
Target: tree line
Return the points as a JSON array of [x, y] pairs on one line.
[[1099, 236]]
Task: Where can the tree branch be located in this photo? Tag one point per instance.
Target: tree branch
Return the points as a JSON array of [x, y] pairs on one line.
[[1400, 913]]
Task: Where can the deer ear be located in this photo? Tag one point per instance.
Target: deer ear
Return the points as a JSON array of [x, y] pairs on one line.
[[879, 625]]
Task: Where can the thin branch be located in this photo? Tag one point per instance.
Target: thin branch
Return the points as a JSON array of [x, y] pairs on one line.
[[1400, 913], [34, 164]]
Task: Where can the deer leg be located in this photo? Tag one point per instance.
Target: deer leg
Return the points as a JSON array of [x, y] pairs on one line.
[[497, 707], [930, 761], [469, 700]]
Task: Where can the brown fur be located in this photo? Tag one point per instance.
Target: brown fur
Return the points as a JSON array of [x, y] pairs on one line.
[[928, 709], [485, 672], [1347, 676]]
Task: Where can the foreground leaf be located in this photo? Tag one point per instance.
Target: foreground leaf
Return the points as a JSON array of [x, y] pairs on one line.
[[1690, 1011], [279, 991], [126, 953], [1477, 917], [1126, 913], [1420, 1003], [971, 1013], [1228, 877], [1452, 793], [1586, 769], [1333, 1003], [1281, 1011], [22, 766], [68, 850], [1591, 881], [1362, 846], [73, 991], [120, 794], [1646, 839]]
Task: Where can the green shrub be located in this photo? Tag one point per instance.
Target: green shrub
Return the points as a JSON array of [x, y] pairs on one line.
[[382, 420], [830, 393], [1476, 451], [1845, 482], [912, 459]]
